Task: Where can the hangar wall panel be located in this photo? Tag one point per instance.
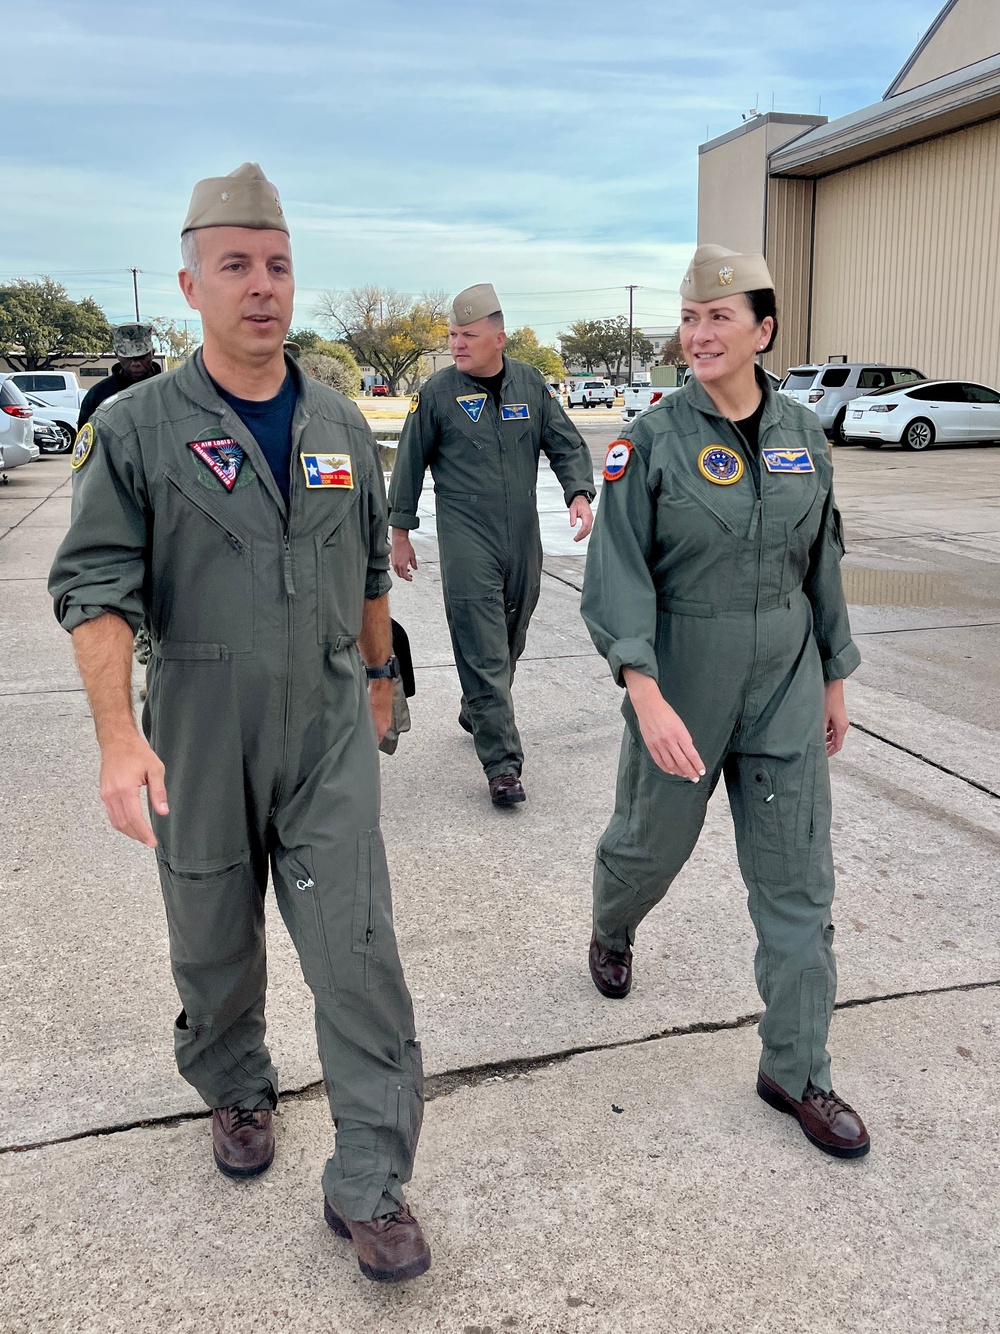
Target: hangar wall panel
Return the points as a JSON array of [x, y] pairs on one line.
[[907, 258], [789, 223]]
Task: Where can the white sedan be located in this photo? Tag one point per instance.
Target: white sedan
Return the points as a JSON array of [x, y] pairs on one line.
[[948, 411]]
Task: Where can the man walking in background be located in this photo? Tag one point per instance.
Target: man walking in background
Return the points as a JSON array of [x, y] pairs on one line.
[[480, 426]]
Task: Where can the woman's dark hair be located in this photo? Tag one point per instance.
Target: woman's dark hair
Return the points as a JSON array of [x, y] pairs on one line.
[[763, 303]]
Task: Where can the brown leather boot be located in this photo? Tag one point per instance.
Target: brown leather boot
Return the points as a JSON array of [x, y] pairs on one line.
[[826, 1120], [242, 1141], [610, 969], [389, 1249]]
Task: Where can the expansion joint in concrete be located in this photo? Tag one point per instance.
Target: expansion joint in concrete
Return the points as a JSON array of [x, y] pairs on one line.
[[942, 768], [472, 1076]]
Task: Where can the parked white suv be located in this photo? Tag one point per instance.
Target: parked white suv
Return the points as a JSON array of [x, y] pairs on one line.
[[828, 389], [587, 393], [17, 438], [60, 389]]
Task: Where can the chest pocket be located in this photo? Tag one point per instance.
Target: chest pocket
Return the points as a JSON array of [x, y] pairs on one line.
[[203, 590], [803, 519], [341, 566]]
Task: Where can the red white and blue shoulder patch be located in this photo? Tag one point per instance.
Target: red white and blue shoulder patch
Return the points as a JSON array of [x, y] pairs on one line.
[[619, 453]]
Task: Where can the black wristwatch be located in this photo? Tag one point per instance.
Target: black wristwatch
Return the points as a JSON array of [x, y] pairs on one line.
[[390, 672]]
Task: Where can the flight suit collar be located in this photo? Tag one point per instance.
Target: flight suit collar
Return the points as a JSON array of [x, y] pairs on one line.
[[196, 383], [773, 405]]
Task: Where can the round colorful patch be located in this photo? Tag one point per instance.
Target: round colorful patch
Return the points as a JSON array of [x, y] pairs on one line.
[[720, 465], [84, 444], [619, 453]]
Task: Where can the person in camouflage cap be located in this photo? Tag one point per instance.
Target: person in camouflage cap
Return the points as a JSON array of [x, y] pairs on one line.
[[133, 346]]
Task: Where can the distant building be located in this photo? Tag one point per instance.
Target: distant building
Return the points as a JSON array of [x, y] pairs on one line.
[[881, 228], [88, 368]]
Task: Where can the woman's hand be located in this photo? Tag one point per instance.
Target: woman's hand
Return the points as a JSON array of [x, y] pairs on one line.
[[835, 720], [667, 739]]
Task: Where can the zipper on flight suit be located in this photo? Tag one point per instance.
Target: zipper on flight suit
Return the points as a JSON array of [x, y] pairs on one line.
[[289, 578], [754, 532]]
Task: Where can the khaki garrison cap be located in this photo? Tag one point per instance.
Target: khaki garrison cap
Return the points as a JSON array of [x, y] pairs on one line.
[[244, 198], [475, 303], [132, 340], [715, 272]]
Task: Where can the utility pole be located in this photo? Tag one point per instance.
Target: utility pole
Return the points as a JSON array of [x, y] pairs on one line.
[[135, 290], [631, 289]]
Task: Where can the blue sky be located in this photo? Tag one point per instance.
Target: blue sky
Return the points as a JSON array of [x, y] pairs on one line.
[[548, 147]]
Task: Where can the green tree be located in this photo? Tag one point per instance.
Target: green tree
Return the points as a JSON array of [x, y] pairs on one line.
[[40, 325], [173, 338], [672, 355], [523, 344], [333, 371], [595, 343], [385, 329]]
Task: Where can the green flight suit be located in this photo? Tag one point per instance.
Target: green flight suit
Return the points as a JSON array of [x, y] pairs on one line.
[[485, 468], [257, 705], [728, 593]]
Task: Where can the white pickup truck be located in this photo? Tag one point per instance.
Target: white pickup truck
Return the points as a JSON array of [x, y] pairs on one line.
[[588, 393], [60, 389], [637, 398]]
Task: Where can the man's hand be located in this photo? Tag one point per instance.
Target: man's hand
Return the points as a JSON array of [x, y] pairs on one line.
[[127, 766], [380, 695], [581, 513], [667, 739], [402, 556], [835, 720]]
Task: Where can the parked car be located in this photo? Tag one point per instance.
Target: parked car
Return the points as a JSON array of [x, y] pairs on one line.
[[63, 422], [17, 445], [588, 393], [380, 391], [46, 436], [58, 389], [936, 410], [828, 389], [638, 398]]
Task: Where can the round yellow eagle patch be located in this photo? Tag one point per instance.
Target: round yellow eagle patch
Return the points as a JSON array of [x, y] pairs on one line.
[[84, 444]]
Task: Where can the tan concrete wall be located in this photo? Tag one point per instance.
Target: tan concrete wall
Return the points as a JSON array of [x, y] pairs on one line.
[[732, 185], [907, 258], [789, 219], [969, 33]]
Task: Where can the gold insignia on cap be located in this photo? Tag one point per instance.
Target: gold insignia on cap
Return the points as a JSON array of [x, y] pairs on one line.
[[713, 266], [467, 309], [725, 276], [224, 196]]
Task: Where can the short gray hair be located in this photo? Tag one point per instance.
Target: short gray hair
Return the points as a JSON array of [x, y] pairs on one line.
[[189, 252], [496, 320]]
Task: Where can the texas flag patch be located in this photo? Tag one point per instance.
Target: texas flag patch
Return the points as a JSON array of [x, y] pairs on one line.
[[327, 470], [223, 458]]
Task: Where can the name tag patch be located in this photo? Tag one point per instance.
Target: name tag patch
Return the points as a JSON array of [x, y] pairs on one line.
[[472, 405], [223, 459], [787, 460], [514, 412], [327, 470]]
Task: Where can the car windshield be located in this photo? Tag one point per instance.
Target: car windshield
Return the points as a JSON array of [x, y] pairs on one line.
[[801, 378]]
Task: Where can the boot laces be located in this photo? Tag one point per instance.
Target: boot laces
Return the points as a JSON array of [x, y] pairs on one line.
[[830, 1103], [243, 1118]]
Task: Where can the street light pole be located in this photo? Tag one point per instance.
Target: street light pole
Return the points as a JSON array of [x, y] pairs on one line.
[[631, 290], [135, 290]]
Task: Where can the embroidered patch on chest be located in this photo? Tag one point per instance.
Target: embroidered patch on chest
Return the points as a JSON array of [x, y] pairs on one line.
[[720, 465], [223, 458], [323, 470], [619, 453], [472, 404], [787, 460], [514, 412]]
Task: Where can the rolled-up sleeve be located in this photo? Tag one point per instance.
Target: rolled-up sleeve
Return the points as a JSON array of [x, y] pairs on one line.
[[825, 590], [101, 563], [619, 596], [416, 445]]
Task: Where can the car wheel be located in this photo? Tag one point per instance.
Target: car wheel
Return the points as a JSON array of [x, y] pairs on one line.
[[872, 444], [66, 438], [839, 438], [918, 435]]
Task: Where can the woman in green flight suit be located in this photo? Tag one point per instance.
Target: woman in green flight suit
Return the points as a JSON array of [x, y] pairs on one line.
[[713, 589]]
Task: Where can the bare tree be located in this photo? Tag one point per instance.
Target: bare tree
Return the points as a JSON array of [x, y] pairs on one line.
[[388, 330]]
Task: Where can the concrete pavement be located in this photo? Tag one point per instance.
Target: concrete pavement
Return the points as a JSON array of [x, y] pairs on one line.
[[726, 1219]]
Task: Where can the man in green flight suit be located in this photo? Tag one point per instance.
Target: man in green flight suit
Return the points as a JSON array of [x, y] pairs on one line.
[[480, 427], [713, 589], [239, 508]]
